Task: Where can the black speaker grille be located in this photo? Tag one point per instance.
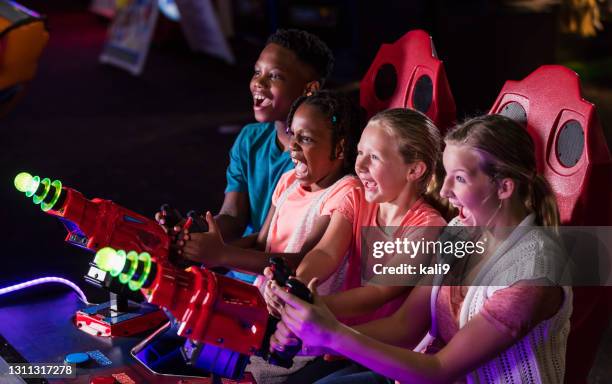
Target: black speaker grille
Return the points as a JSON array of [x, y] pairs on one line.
[[385, 82], [516, 112], [570, 144], [422, 94]]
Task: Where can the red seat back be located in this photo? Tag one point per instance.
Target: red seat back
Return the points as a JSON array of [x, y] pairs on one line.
[[571, 149], [408, 74], [572, 154]]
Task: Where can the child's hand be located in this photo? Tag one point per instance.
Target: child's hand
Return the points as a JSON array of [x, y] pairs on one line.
[[273, 302], [282, 338], [314, 323], [161, 218], [206, 248]]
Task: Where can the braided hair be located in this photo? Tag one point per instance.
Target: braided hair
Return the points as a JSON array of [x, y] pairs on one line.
[[343, 117]]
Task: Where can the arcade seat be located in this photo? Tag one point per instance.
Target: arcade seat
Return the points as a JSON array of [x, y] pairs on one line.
[[23, 35], [572, 154], [408, 74]]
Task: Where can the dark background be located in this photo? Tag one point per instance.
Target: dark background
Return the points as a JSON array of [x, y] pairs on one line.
[[142, 141]]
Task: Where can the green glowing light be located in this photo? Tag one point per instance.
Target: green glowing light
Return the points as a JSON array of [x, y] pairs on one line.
[[110, 260], [145, 258], [22, 181], [33, 186], [58, 191], [37, 199], [132, 257]]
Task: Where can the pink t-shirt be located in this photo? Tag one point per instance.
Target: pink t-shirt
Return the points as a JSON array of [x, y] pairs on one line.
[[299, 201], [420, 214], [501, 310]]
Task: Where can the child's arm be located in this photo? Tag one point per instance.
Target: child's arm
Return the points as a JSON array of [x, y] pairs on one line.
[[233, 215], [375, 345], [210, 250], [362, 300], [327, 254], [406, 327], [255, 240]]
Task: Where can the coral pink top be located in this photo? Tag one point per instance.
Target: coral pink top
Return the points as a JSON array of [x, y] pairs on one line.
[[420, 214], [298, 201]]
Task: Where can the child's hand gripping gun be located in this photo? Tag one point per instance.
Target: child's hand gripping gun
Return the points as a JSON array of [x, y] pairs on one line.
[[282, 277]]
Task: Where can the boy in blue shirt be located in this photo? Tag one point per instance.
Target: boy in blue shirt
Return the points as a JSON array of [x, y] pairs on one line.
[[292, 63]]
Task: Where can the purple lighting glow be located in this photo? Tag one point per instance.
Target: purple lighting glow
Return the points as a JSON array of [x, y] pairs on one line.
[[44, 280]]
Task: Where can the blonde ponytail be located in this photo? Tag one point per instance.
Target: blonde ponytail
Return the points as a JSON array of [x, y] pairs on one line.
[[541, 201]]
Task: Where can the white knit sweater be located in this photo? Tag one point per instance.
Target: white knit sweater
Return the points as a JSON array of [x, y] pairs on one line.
[[539, 357]]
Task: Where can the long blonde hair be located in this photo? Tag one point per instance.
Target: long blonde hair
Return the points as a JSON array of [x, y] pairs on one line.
[[509, 152]]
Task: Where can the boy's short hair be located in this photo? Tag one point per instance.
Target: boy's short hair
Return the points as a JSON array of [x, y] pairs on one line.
[[308, 48]]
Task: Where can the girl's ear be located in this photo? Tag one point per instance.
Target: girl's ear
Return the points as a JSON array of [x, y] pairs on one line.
[[312, 86], [340, 149], [416, 171], [505, 188]]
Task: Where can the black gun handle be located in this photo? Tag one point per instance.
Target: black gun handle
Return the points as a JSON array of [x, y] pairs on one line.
[[198, 223], [285, 358], [297, 288], [280, 270], [173, 216]]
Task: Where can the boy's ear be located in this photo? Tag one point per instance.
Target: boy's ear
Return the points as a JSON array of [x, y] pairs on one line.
[[312, 86], [505, 188], [416, 171]]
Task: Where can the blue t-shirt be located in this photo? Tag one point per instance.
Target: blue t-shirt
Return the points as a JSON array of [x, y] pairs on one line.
[[256, 165]]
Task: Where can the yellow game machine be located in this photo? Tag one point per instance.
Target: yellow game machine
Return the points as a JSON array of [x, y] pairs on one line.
[[23, 35]]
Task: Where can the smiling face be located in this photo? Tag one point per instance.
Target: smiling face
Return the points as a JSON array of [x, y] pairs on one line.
[[311, 148], [278, 79], [379, 165], [467, 187]]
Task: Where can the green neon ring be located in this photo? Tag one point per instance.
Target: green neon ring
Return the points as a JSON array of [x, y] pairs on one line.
[[31, 191], [144, 257], [103, 255], [37, 199], [58, 191], [116, 272], [132, 257]]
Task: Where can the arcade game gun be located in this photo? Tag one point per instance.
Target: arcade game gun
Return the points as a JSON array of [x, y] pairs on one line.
[[94, 224], [224, 320]]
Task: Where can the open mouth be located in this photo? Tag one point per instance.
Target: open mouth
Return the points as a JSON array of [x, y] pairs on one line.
[[301, 169], [260, 101], [465, 216], [369, 185]]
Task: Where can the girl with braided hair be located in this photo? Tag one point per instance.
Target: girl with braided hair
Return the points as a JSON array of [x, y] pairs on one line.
[[323, 132]]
